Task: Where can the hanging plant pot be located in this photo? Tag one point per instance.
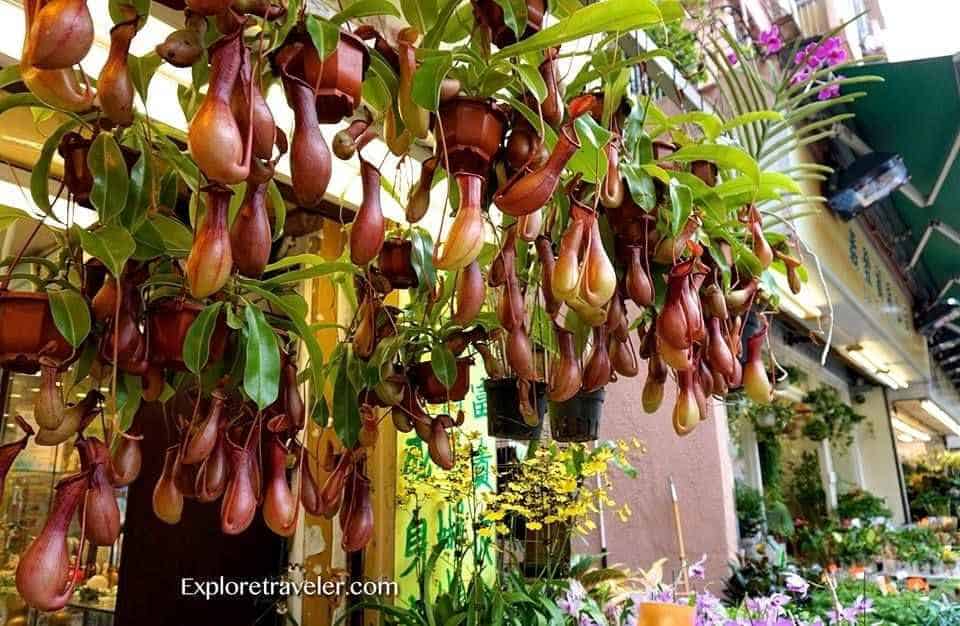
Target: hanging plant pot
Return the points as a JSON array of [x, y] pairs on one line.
[[28, 332], [490, 14], [504, 419], [395, 264], [578, 418], [472, 131], [432, 390], [546, 550], [338, 79], [169, 321], [663, 614]]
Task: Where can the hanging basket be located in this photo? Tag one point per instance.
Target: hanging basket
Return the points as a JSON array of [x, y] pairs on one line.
[[169, 320], [472, 131], [504, 419], [27, 332], [432, 390], [395, 264], [337, 79], [577, 419]]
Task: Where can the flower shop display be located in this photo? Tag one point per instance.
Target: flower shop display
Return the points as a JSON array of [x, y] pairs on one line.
[[627, 234]]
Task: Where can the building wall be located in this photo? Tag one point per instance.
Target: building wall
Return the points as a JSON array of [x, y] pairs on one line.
[[881, 466], [701, 468]]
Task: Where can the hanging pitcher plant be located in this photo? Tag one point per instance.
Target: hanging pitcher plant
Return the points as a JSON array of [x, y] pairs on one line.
[[583, 230]]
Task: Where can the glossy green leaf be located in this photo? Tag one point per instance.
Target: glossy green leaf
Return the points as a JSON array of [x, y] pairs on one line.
[[9, 75], [129, 398], [365, 8], [111, 244], [428, 79], [514, 15], [181, 163], [590, 160], [421, 257], [196, 343], [142, 70], [110, 178], [640, 183], [681, 205], [139, 194], [453, 24], [346, 410], [324, 34], [420, 14], [444, 364], [40, 175], [70, 314], [320, 415], [174, 235], [725, 157], [279, 206], [9, 215], [602, 17], [533, 81], [261, 372], [15, 100]]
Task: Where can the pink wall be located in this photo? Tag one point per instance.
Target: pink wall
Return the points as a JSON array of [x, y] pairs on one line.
[[701, 469]]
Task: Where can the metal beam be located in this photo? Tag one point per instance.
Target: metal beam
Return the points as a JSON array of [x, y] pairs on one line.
[[934, 226]]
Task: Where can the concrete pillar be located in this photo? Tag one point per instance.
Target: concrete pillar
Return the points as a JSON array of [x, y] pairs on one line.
[[701, 469], [875, 435]]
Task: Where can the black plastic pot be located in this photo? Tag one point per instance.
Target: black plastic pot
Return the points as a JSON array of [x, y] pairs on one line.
[[578, 418], [504, 419]]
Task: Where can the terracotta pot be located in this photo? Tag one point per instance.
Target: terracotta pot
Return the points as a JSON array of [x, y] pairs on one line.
[[395, 264], [663, 614], [433, 390], [338, 79], [27, 329], [489, 13], [169, 321], [473, 130]]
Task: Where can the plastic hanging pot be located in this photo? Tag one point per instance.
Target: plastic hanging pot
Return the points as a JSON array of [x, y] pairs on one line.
[[337, 79], [504, 419], [577, 419], [473, 130], [430, 387], [27, 332], [395, 263], [169, 321]]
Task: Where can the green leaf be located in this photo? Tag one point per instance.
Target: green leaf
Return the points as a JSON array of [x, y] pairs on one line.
[[421, 14], [365, 8], [9, 75], [602, 17], [14, 100], [590, 160], [421, 257], [302, 329], [453, 24], [444, 364], [640, 184], [324, 34], [129, 398], [750, 117], [261, 372], [71, 315], [111, 244], [9, 215], [40, 176], [681, 203], [533, 81], [279, 206], [726, 157], [142, 70], [514, 15], [428, 79], [140, 192], [346, 411], [181, 163], [320, 414], [110, 178], [196, 344]]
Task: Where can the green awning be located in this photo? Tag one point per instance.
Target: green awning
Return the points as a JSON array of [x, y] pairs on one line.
[[915, 113]]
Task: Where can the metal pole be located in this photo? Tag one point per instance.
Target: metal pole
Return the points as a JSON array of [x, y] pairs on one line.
[[684, 578]]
